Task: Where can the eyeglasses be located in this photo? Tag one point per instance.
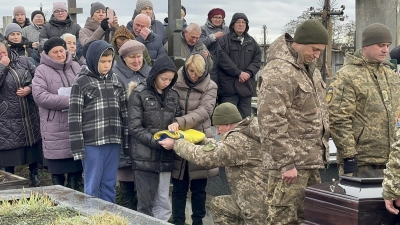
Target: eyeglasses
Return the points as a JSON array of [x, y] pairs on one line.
[[240, 22], [38, 17], [217, 18], [60, 11]]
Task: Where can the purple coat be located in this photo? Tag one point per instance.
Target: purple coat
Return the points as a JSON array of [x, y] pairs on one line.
[[53, 108]]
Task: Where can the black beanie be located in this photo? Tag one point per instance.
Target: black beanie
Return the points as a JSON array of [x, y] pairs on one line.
[[34, 13], [311, 32], [53, 42]]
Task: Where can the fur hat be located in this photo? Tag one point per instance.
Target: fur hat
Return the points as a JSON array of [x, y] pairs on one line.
[[311, 32], [12, 27], [96, 6], [131, 47], [376, 33], [141, 4], [122, 31], [226, 113], [60, 5], [216, 11], [19, 9], [53, 42]]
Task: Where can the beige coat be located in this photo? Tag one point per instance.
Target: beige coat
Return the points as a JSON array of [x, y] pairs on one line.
[[93, 31], [197, 105]]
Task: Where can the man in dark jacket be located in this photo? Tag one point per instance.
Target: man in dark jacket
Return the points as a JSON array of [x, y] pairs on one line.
[[143, 34], [20, 17], [239, 59]]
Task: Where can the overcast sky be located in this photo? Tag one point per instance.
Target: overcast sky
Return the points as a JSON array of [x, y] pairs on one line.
[[273, 13]]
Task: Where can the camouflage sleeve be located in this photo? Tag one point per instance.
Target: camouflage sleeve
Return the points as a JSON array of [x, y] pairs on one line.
[[341, 99], [275, 96], [391, 181], [212, 154]]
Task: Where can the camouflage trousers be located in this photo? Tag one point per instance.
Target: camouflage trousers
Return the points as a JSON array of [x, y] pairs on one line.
[[285, 201], [362, 169], [227, 212]]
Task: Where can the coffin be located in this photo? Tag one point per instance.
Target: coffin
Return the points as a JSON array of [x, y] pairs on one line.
[[353, 200]]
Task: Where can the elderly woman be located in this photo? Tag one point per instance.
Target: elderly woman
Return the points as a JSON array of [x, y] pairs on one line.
[[197, 93], [130, 67], [70, 40], [51, 86], [97, 27], [19, 131], [16, 41]]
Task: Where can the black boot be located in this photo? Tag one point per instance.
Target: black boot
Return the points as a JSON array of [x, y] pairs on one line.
[[128, 194], [34, 177], [58, 179], [73, 180], [9, 169]]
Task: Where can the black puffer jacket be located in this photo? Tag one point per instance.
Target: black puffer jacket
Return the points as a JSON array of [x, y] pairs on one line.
[[24, 48], [19, 116], [235, 56], [56, 28], [150, 112]]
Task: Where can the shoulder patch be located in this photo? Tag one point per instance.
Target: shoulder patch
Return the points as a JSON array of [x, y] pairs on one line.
[[398, 120], [209, 147], [329, 95]]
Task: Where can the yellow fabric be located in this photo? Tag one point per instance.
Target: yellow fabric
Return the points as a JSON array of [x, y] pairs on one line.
[[190, 135]]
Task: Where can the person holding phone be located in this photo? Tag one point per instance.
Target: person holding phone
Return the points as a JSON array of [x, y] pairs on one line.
[[100, 25]]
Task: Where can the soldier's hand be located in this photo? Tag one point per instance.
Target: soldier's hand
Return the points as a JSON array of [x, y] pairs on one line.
[[167, 143], [390, 207], [290, 176]]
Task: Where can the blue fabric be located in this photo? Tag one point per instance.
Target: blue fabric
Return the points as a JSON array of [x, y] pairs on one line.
[[100, 169]]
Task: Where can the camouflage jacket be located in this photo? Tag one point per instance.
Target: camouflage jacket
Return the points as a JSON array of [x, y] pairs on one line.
[[292, 111], [364, 108], [240, 153], [391, 181]]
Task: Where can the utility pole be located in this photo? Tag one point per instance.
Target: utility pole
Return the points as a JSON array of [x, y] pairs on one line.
[[265, 43], [325, 14], [41, 7]]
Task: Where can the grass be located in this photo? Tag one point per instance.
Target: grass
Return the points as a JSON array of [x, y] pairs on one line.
[[40, 209]]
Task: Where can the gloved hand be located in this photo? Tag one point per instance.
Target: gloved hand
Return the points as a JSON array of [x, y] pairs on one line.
[[104, 24], [350, 165]]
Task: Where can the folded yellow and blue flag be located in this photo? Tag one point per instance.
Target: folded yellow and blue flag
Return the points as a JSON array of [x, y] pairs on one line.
[[190, 135]]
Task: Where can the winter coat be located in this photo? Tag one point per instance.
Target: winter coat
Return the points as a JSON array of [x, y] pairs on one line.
[[127, 75], [207, 36], [123, 32], [97, 99], [27, 22], [31, 32], [197, 105], [364, 110], [56, 28], [236, 56], [153, 44], [50, 76], [150, 112], [156, 26], [292, 110], [23, 49], [19, 116], [93, 31]]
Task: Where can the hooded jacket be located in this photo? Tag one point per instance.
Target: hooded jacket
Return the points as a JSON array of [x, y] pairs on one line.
[[97, 99], [240, 153], [93, 31], [56, 28], [156, 26], [364, 110], [127, 75], [292, 110], [123, 32], [236, 55], [50, 76], [150, 112], [197, 103], [19, 116]]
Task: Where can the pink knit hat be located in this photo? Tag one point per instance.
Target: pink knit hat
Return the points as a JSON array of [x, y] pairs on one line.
[[19, 9], [60, 5]]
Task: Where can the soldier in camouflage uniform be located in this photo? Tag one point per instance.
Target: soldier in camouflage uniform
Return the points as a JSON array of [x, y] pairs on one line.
[[364, 106], [293, 120], [240, 153]]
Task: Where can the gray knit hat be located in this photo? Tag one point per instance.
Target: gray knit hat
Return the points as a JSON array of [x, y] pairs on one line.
[[226, 113], [12, 27], [131, 47], [311, 32], [141, 4], [376, 33], [96, 6]]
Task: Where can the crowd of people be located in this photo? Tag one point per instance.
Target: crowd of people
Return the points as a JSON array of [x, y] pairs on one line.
[[89, 102]]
